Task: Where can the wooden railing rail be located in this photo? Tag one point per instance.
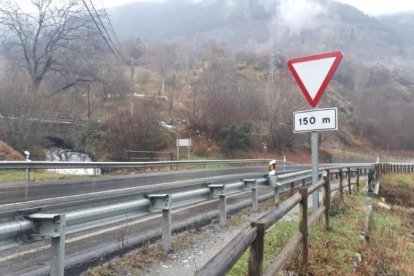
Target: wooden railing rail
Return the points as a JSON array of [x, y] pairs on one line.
[[253, 235]]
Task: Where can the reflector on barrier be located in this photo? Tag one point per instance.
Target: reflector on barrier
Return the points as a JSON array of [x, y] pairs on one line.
[[272, 167]]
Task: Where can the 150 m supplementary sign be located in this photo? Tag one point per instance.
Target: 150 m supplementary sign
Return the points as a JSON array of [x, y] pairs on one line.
[[315, 120]]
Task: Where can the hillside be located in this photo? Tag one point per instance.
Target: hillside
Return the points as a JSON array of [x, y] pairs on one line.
[[216, 71], [294, 28]]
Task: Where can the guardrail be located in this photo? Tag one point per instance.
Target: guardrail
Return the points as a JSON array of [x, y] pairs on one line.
[[386, 168], [253, 236], [116, 165], [37, 222], [28, 165]]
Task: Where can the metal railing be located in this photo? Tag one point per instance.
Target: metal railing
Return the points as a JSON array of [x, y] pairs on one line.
[[28, 165], [39, 222], [117, 165], [32, 220], [253, 236]]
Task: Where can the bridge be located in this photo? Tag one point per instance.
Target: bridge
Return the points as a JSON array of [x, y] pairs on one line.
[[45, 117]]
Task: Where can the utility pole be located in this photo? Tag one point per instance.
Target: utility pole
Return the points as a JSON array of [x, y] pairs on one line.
[[132, 88], [89, 101]]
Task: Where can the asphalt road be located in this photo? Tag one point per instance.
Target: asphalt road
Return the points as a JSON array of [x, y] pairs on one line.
[[21, 192], [90, 247]]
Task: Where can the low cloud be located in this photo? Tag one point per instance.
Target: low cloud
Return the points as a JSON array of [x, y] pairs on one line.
[[294, 17]]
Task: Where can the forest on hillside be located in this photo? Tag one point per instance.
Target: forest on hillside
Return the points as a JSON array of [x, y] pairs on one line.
[[141, 94]]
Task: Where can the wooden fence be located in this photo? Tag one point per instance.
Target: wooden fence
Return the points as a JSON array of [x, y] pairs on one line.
[[253, 235]]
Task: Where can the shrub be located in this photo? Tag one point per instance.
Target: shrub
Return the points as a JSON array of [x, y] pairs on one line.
[[237, 138]]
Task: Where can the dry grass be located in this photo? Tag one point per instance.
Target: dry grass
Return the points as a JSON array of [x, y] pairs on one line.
[[8, 153], [386, 246]]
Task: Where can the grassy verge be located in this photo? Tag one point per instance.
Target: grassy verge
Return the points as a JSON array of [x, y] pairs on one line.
[[391, 246], [10, 176], [381, 243], [211, 166], [330, 252]]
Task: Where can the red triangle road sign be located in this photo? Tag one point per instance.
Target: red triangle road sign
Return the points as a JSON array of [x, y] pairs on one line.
[[313, 73]]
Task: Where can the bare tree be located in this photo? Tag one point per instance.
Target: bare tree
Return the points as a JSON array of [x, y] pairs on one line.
[[42, 41]]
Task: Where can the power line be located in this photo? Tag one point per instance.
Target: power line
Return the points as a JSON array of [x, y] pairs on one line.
[[109, 42], [110, 25], [106, 31]]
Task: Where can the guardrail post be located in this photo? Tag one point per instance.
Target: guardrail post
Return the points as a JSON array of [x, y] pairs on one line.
[[304, 183], [223, 211], [220, 191], [349, 181], [303, 226], [341, 184], [256, 251], [357, 180], [292, 188], [27, 170], [273, 183], [52, 226], [378, 174], [327, 198], [163, 202], [252, 184]]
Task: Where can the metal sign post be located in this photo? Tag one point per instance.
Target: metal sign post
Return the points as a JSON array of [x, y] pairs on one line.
[[313, 121], [315, 167], [183, 143]]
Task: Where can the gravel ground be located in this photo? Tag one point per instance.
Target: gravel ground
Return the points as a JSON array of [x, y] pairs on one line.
[[191, 249]]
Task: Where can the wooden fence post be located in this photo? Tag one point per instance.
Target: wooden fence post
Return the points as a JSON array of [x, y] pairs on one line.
[[357, 180], [256, 251], [341, 184], [303, 226], [327, 199]]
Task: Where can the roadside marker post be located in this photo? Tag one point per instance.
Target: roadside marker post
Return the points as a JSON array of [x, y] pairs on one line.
[[313, 74]]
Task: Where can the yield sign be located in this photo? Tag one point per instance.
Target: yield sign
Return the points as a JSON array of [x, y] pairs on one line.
[[313, 73]]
